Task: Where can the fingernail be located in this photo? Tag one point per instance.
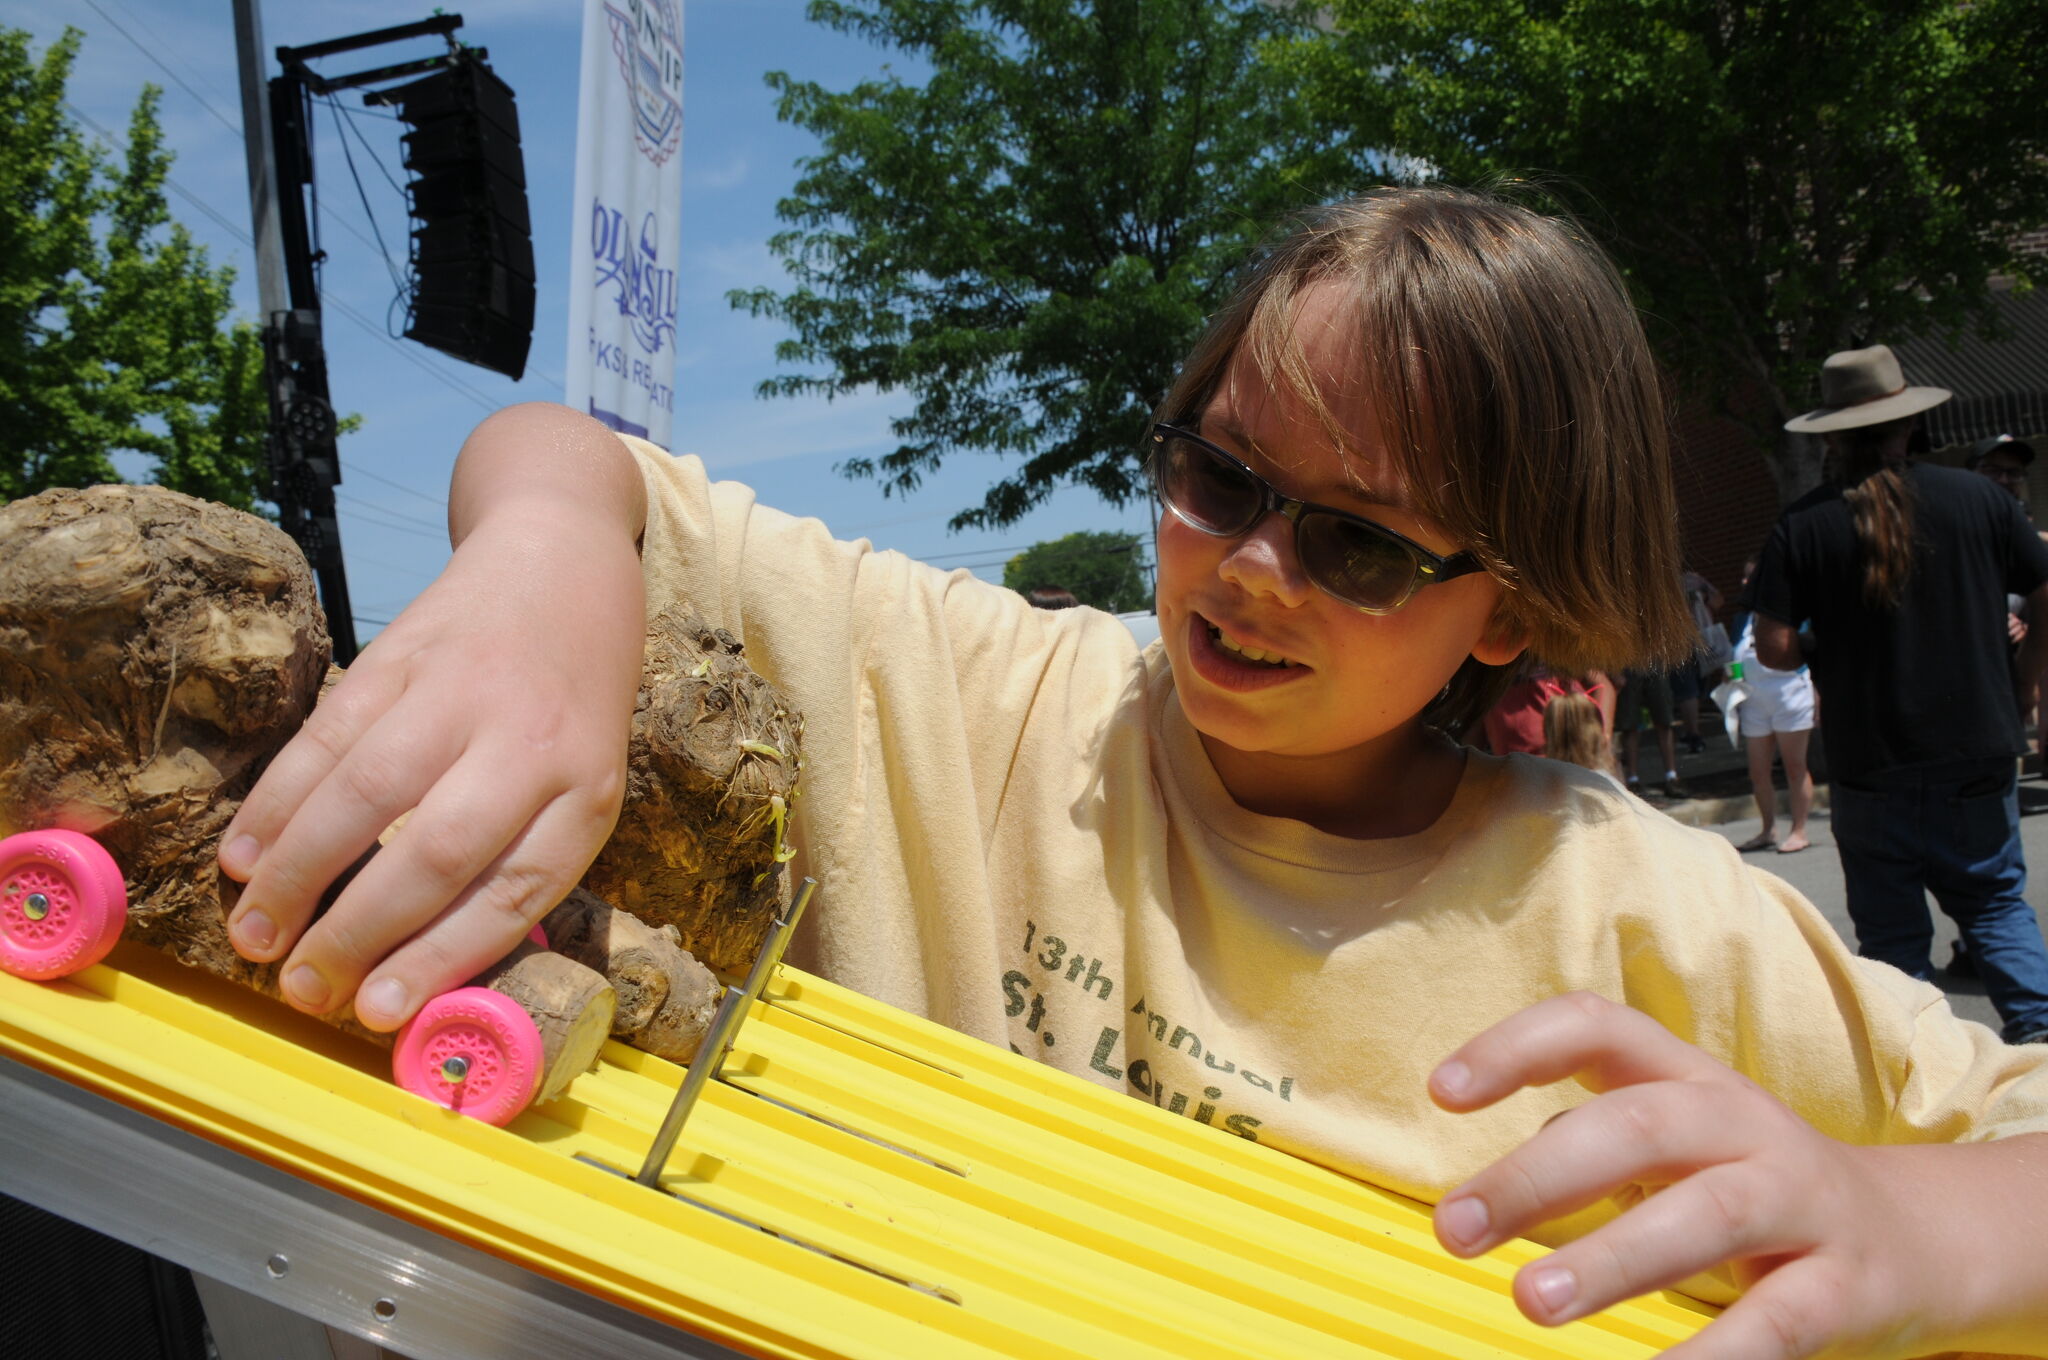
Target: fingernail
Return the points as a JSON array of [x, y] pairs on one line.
[[256, 930], [239, 856], [1464, 1220], [383, 999], [306, 987], [1454, 1078], [1555, 1287]]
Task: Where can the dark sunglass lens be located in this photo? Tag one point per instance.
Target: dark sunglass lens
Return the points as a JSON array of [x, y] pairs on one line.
[[1210, 491], [1355, 563]]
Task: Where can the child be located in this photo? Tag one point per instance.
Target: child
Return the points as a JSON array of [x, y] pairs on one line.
[[1515, 722], [1244, 874], [1573, 733]]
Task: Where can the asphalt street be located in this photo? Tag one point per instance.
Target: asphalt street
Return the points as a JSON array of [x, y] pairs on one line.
[[1817, 874]]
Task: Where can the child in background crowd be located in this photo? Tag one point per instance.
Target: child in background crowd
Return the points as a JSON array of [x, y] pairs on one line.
[[1245, 873], [1574, 733], [1515, 722]]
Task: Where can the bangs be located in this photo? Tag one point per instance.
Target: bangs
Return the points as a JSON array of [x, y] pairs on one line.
[[1389, 389]]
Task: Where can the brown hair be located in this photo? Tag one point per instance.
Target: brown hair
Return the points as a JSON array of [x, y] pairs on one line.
[[1572, 731], [1880, 501], [1516, 398]]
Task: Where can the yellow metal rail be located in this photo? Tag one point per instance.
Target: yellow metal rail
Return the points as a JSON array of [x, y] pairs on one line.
[[860, 1183]]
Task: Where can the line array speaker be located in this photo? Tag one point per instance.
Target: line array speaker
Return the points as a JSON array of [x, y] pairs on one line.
[[472, 240]]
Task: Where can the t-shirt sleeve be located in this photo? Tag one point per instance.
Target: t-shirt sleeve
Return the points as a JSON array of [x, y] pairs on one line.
[[2028, 565], [1862, 1051], [915, 685], [1774, 587]]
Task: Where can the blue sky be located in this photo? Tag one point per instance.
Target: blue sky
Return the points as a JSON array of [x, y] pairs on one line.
[[417, 404]]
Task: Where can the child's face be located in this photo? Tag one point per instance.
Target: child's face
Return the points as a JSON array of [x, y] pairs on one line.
[[1352, 677]]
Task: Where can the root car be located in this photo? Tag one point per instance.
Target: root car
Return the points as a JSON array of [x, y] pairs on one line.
[[157, 650]]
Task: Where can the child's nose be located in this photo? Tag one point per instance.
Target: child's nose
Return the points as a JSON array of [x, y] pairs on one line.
[[1263, 562]]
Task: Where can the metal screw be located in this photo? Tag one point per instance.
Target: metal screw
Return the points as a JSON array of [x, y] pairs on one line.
[[455, 1069], [278, 1265], [36, 907]]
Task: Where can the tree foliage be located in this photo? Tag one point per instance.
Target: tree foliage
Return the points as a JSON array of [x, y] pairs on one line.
[[114, 327], [1027, 241], [1779, 179], [1106, 569]]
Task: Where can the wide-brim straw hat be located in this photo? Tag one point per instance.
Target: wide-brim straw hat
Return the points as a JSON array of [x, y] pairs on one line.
[[1864, 387]]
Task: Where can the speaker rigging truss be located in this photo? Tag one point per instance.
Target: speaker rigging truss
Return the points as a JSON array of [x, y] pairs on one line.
[[469, 290], [470, 271]]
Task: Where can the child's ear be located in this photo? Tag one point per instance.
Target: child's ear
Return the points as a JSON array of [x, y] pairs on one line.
[[1503, 641]]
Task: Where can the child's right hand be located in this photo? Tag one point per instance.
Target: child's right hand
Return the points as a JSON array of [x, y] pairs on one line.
[[1876, 1252], [495, 710]]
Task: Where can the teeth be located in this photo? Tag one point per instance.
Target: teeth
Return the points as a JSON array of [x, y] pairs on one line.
[[1224, 641]]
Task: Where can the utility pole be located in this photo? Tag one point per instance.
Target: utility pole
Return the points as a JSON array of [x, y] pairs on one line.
[[305, 465], [270, 289]]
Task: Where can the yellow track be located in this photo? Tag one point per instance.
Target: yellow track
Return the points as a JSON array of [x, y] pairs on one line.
[[939, 1197]]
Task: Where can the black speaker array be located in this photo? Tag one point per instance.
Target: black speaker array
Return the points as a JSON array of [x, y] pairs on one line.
[[472, 241]]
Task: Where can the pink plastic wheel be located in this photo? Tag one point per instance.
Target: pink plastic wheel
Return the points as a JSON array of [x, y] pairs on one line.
[[473, 1050], [62, 903]]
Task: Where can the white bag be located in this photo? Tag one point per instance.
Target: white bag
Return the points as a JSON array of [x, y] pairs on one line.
[[1716, 650], [1728, 696]]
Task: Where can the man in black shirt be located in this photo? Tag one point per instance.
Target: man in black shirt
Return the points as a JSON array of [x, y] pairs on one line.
[[1903, 570]]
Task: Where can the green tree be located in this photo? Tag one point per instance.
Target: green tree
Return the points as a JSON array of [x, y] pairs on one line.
[[1106, 570], [1779, 179], [114, 327], [1027, 242]]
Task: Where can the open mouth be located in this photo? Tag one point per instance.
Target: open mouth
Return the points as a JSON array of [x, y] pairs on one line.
[[1250, 655]]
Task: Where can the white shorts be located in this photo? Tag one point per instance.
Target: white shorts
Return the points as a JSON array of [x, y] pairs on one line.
[[1777, 706]]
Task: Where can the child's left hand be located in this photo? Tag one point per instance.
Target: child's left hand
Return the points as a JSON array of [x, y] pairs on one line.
[[1882, 1253]]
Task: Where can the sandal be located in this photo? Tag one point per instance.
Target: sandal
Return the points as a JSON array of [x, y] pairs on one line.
[[1792, 845], [1763, 840]]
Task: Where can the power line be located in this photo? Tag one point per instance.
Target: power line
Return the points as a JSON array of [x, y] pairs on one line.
[[229, 98], [358, 559], [140, 46], [399, 486], [440, 530], [372, 329], [367, 513], [337, 304]]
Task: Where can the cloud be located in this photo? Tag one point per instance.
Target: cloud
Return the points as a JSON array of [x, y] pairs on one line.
[[741, 263], [732, 173], [736, 432]]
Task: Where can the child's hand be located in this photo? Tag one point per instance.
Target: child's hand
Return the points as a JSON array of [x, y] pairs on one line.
[[1873, 1252], [494, 710]]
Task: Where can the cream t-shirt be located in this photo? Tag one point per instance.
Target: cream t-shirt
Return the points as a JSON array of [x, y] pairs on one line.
[[1017, 833]]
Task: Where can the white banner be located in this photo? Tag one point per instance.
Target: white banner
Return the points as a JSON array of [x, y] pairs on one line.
[[628, 220]]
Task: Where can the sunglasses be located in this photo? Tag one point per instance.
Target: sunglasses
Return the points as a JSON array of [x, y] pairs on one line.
[[1365, 565]]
